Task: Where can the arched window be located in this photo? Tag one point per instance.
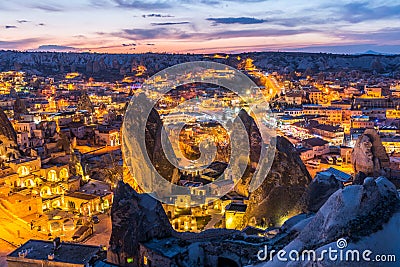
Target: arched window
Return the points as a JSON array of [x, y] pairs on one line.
[[23, 171], [64, 174], [29, 183], [52, 176], [106, 204], [45, 191]]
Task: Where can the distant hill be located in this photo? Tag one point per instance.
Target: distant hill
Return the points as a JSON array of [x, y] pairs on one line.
[[113, 66], [375, 53], [371, 52]]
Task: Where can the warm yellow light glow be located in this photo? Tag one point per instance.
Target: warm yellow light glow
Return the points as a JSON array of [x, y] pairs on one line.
[[229, 223], [144, 260]]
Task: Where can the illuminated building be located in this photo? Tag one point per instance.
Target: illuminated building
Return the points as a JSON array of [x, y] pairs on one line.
[[348, 113], [333, 134], [163, 252], [391, 144], [351, 91], [372, 92], [23, 203], [107, 136], [72, 75], [78, 129], [319, 146], [388, 130], [85, 204], [294, 97], [332, 114], [392, 114], [376, 113], [362, 102], [306, 153], [234, 214], [315, 95], [359, 122]]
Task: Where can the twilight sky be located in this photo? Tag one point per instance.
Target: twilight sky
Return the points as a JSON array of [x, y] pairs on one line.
[[199, 26]]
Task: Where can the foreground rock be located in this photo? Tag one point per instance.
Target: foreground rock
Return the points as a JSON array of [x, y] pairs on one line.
[[283, 192], [135, 218], [320, 189], [360, 214], [367, 216]]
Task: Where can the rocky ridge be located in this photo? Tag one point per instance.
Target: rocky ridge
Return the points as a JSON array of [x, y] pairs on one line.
[[112, 65]]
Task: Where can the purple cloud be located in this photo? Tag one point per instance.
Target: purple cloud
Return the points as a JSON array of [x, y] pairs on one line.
[[170, 23], [239, 20]]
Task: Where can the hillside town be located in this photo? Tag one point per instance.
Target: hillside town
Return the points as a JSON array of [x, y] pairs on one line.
[[61, 160]]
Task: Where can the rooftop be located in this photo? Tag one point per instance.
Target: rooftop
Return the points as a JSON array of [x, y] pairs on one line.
[[67, 252], [236, 207], [303, 149], [94, 187], [168, 247], [329, 128], [315, 141], [339, 175], [82, 196]]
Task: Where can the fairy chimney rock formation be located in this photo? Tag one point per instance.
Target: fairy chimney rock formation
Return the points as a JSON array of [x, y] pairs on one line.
[[369, 155]]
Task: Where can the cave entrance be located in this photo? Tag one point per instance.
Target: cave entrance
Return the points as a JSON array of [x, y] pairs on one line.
[[225, 262]]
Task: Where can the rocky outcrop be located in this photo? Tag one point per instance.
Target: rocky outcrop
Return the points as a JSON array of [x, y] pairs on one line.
[[357, 213], [6, 128], [369, 155], [143, 156], [320, 189], [154, 146], [246, 142], [282, 193], [355, 210], [8, 138], [135, 218], [254, 135]]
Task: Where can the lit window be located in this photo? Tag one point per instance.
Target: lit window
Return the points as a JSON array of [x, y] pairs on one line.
[[52, 175], [23, 171]]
